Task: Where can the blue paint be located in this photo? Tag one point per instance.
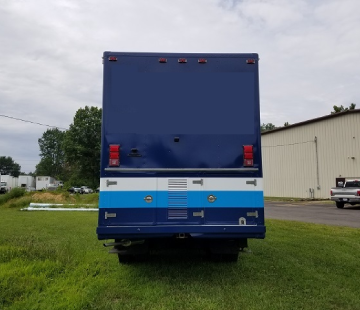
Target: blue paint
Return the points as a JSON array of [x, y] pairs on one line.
[[146, 223], [213, 109], [181, 116], [219, 113], [128, 220], [195, 199]]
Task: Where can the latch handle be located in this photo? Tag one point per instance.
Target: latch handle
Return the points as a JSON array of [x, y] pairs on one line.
[[252, 182], [108, 183]]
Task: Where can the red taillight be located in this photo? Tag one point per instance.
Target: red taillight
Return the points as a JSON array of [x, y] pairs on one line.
[[248, 155], [248, 148], [358, 193], [112, 58], [162, 60], [248, 151], [331, 193], [202, 61], [182, 60], [114, 148], [250, 61], [114, 155]]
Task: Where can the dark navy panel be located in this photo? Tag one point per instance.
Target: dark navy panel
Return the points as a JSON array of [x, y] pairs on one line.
[[195, 103], [181, 115], [231, 216], [145, 216], [127, 216], [192, 151]]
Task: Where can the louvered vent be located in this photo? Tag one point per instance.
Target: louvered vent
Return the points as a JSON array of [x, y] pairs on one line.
[[177, 199]]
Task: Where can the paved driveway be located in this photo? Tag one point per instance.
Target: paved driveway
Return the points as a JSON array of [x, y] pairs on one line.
[[314, 212]]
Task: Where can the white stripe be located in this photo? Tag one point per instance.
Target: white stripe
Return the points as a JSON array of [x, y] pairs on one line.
[[161, 184]]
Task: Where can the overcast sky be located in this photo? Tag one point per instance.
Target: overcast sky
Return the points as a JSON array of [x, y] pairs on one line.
[[50, 64]]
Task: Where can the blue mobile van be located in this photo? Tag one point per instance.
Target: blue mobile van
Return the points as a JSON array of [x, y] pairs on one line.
[[180, 152]]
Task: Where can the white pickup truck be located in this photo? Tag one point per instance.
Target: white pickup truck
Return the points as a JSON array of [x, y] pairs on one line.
[[349, 193]]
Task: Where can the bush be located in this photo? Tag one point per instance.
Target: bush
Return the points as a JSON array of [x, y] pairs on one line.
[[17, 192], [14, 193]]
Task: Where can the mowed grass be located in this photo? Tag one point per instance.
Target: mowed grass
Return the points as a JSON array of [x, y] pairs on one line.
[[53, 260]]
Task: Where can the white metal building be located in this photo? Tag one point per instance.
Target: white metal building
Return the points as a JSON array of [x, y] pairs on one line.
[[304, 159]]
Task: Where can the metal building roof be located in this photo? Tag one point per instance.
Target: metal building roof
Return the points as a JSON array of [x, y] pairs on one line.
[[314, 120]]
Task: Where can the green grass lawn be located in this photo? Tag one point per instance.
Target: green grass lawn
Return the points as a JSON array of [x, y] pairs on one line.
[[53, 260]]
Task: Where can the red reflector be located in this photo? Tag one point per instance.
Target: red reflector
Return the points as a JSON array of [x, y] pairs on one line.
[[250, 61], [202, 61], [114, 162], [112, 58], [114, 155], [248, 162], [248, 155], [114, 147], [248, 148], [162, 60], [182, 60]]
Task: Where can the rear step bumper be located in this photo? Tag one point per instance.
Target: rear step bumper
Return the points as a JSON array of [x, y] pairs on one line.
[[196, 231]]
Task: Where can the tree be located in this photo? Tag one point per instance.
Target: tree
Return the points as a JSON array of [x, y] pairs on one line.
[[268, 126], [51, 153], [342, 109], [8, 166], [286, 124], [82, 145]]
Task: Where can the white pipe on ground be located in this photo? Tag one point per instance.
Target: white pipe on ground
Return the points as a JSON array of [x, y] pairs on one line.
[[34, 206], [59, 209], [45, 205]]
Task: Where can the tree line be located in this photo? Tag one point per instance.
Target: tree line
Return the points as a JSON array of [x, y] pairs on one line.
[[73, 156]]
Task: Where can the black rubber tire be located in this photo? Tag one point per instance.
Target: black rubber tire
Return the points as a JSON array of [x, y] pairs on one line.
[[339, 205], [126, 258], [231, 258], [224, 257]]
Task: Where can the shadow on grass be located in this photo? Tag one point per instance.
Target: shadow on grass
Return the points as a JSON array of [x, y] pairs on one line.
[[188, 266]]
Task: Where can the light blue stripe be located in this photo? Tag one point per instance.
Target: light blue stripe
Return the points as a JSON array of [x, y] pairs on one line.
[[195, 199]]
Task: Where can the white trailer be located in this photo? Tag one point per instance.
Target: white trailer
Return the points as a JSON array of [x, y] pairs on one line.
[[43, 182], [10, 182], [27, 182]]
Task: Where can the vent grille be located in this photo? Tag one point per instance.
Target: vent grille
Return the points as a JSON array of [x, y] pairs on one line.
[[177, 199]]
